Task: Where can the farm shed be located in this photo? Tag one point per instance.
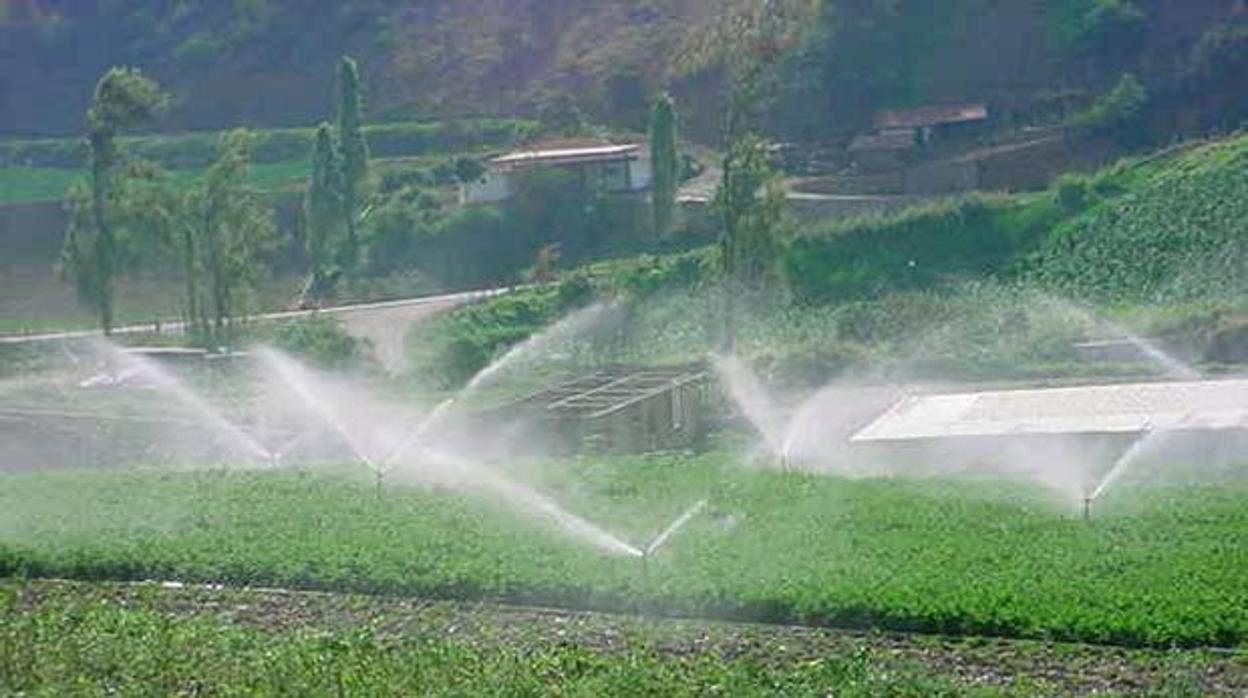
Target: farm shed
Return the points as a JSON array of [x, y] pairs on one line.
[[616, 409], [610, 168]]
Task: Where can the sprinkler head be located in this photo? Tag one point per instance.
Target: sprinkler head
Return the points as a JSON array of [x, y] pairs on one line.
[[1087, 508]]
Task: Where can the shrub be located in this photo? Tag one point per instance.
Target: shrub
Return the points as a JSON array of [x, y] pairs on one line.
[[318, 339], [1072, 192], [1116, 112]]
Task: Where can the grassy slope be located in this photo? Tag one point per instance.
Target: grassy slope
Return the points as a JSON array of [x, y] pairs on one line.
[[1156, 566], [1162, 238], [1141, 228], [1171, 227]]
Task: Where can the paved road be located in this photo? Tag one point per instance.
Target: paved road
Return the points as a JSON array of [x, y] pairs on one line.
[[358, 317]]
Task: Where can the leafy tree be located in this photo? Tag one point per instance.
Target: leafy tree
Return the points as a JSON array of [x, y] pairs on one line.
[[468, 169], [749, 200], [225, 230], [1117, 112], [665, 162], [354, 151], [749, 203], [323, 212], [93, 255]]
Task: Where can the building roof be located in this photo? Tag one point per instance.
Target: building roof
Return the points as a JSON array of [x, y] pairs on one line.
[[1094, 409], [932, 115], [566, 156]]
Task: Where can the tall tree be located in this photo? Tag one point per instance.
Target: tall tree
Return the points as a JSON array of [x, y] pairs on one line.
[[323, 212], [354, 149], [225, 230], [749, 200], [665, 162], [92, 257]]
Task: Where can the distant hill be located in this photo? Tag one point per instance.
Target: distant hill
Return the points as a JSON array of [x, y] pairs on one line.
[[269, 62]]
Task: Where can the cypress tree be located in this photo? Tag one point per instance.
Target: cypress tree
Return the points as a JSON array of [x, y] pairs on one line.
[[323, 208], [354, 152], [665, 164]]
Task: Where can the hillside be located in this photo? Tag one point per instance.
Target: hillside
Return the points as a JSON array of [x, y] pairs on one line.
[[983, 287], [266, 62]]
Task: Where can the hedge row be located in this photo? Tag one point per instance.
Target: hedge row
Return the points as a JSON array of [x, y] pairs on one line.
[[190, 150]]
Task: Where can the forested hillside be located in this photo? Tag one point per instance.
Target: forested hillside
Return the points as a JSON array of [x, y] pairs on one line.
[[263, 61]]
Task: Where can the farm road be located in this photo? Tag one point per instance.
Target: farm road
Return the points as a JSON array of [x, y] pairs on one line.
[[383, 324]]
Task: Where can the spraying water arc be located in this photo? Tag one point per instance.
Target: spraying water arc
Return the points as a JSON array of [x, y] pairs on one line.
[[167, 381], [662, 539]]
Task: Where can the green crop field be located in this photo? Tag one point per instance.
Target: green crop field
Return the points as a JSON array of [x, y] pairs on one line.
[[1158, 565], [57, 637]]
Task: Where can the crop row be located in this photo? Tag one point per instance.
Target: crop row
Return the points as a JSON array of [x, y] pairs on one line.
[[1156, 566]]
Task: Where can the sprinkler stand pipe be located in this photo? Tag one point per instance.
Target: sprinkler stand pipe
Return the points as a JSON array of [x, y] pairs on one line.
[[1087, 508]]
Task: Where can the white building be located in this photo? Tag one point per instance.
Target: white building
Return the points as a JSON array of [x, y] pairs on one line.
[[611, 168]]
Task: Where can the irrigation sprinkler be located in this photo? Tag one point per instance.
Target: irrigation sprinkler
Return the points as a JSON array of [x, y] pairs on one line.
[[1087, 508], [660, 540]]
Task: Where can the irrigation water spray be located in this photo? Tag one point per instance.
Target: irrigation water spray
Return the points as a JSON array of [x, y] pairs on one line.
[[660, 540], [416, 458], [171, 385]]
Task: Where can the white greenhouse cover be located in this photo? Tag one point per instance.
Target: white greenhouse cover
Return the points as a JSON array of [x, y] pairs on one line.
[[1093, 409]]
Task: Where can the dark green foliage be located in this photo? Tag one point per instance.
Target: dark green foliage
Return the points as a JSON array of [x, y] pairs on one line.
[[450, 349], [1215, 75], [398, 230], [226, 232], [323, 212], [748, 205], [318, 340], [1093, 25], [1117, 112], [664, 159], [353, 149], [973, 237], [409, 228], [94, 253], [468, 169], [1072, 192]]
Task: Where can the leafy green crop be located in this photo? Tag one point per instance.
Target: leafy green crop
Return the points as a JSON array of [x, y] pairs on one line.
[[1177, 232], [90, 644], [1158, 565]]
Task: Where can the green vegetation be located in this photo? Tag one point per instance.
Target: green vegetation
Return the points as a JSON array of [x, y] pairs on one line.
[[1167, 227], [1170, 228], [664, 154], [1085, 25], [280, 145], [65, 643], [1158, 565], [451, 348], [105, 215], [976, 236]]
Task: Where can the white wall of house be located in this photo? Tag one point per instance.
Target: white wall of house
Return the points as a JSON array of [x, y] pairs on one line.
[[641, 171], [499, 185], [493, 187]]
